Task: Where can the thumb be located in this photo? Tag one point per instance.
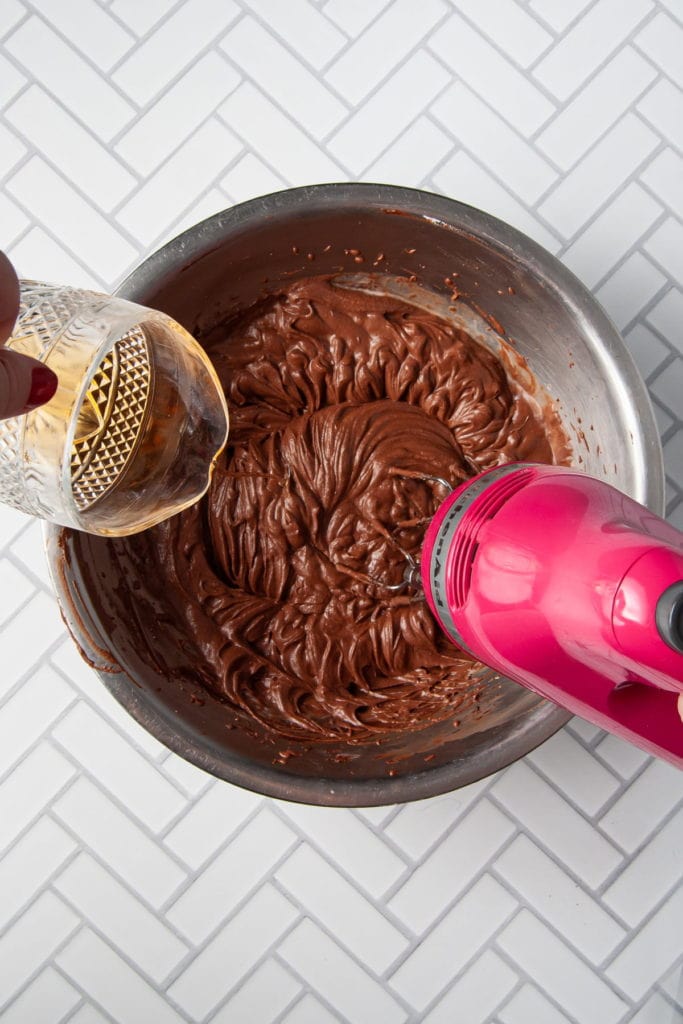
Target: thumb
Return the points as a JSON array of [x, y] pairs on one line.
[[24, 383]]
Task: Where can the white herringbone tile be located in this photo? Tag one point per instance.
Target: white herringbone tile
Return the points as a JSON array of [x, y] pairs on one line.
[[589, 42], [345, 913], [135, 888], [662, 106], [665, 317], [451, 867], [28, 714], [663, 176], [332, 972], [419, 825], [556, 967], [119, 842], [649, 353], [76, 221], [177, 113], [454, 941], [667, 386], [665, 246], [492, 76], [412, 156], [651, 951], [88, 1014], [12, 150], [30, 863], [309, 1010], [462, 176], [529, 1005], [561, 828], [657, 1010], [268, 992], [632, 286], [15, 590], [250, 177], [612, 234], [139, 17], [365, 63], [72, 667], [596, 107], [22, 649], [477, 993], [388, 112], [90, 28], [510, 27], [14, 221], [46, 999], [623, 757], [190, 778], [49, 261], [650, 876], [638, 813], [179, 181], [346, 840], [209, 822], [308, 31], [231, 954], [231, 876], [283, 77], [352, 16], [28, 552], [592, 181], [12, 12], [27, 792], [47, 58], [662, 40], [575, 772], [31, 940], [672, 985], [561, 901], [127, 924], [177, 41], [120, 769], [100, 972], [487, 136], [267, 129]]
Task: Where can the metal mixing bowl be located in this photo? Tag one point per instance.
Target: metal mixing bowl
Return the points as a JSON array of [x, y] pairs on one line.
[[572, 348]]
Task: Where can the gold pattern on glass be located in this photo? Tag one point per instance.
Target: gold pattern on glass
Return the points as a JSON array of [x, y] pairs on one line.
[[110, 419]]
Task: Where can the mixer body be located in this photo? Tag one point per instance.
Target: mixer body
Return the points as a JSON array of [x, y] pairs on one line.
[[569, 587]]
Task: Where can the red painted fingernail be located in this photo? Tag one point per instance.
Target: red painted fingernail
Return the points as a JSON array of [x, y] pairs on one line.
[[43, 387]]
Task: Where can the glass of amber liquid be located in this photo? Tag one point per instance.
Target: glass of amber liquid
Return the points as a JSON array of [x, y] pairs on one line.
[[139, 417]]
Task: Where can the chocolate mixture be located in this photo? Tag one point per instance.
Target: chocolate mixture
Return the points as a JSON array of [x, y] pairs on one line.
[[275, 589]]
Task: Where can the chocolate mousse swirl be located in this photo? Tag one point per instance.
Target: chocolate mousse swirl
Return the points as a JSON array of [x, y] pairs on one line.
[[343, 406]]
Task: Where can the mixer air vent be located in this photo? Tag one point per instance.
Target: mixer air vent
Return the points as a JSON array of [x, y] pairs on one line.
[[485, 507]]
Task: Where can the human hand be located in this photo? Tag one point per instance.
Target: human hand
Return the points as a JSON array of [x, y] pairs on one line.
[[24, 382]]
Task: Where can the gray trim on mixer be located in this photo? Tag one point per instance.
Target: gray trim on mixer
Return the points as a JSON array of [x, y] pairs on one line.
[[444, 538]]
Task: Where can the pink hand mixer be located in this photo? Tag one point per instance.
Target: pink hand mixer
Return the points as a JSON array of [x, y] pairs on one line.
[[570, 588]]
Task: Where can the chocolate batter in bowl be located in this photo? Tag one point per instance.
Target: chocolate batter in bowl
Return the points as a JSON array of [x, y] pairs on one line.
[[371, 341]]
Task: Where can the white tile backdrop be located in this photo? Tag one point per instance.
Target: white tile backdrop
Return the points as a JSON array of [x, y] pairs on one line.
[[134, 888]]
